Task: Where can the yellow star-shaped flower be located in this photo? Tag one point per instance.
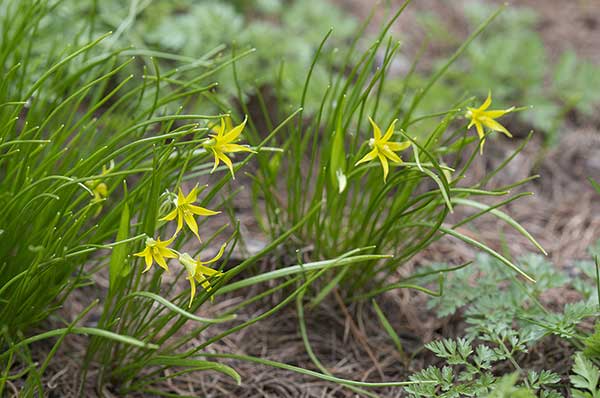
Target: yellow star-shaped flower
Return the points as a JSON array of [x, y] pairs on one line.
[[481, 117], [222, 142], [185, 211], [383, 148], [157, 250], [199, 272]]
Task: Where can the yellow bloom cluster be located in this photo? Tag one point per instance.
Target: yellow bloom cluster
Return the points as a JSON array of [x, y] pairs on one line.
[[221, 142], [159, 251], [385, 150]]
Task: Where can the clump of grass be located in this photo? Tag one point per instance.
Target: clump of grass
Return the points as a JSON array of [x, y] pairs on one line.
[[400, 211]]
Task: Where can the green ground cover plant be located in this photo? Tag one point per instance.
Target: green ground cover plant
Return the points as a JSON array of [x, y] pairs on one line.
[[504, 324]]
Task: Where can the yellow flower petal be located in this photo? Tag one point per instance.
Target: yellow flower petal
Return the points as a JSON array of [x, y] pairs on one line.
[[234, 148], [201, 211], [192, 289], [486, 104], [384, 164], [216, 154], [479, 128], [368, 157], [148, 260], [376, 129], [160, 261], [207, 271], [494, 125], [398, 146], [190, 221], [218, 256], [192, 196], [227, 161], [498, 113], [166, 252], [385, 151], [170, 216], [234, 133], [390, 131], [179, 220]]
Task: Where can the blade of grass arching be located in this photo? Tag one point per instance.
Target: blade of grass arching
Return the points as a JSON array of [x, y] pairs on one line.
[[172, 361], [485, 248], [166, 303], [437, 271], [222, 281], [508, 188], [312, 373], [147, 379], [387, 326], [67, 331], [133, 367], [172, 347], [444, 189], [421, 94], [85, 331], [440, 179], [309, 351], [403, 285], [296, 269], [501, 215], [62, 62]]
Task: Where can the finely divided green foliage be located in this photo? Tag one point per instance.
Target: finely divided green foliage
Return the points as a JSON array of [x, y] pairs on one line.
[[506, 320], [400, 217]]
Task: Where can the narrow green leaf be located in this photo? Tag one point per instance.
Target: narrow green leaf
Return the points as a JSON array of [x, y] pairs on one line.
[[117, 268], [196, 363]]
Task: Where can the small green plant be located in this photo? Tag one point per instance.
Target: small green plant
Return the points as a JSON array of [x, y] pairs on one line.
[[334, 157], [470, 372], [505, 321]]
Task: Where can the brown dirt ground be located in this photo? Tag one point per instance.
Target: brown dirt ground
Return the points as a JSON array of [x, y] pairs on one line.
[[563, 214]]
